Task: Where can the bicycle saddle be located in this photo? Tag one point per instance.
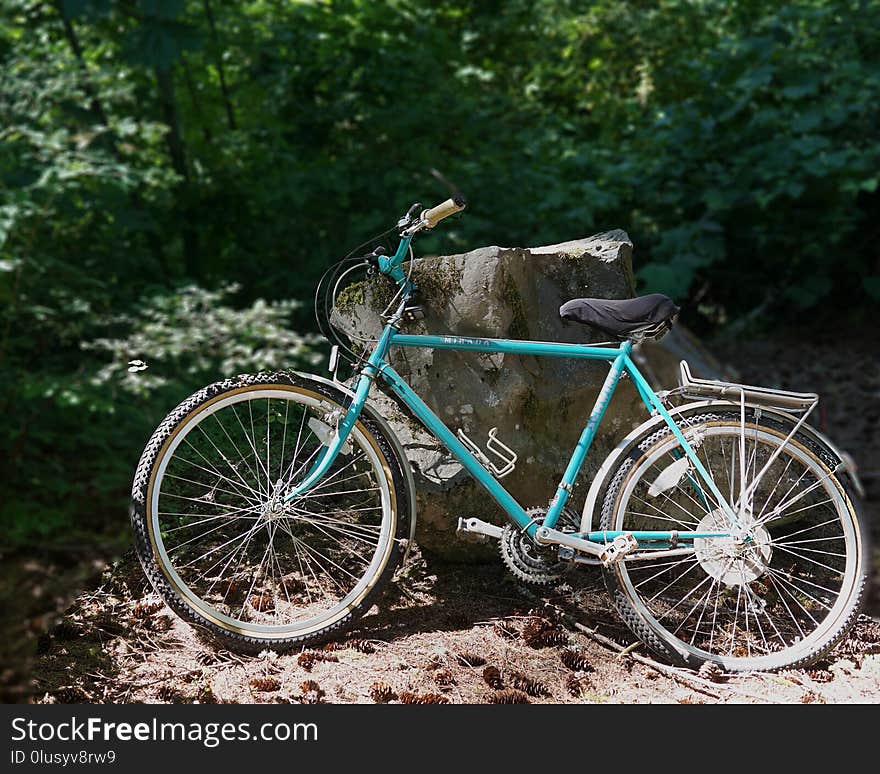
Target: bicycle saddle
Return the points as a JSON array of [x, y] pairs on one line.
[[641, 317]]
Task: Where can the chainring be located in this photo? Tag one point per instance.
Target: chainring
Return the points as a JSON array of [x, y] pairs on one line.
[[528, 561]]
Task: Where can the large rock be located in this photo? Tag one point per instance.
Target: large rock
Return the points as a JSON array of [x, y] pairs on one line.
[[539, 405]]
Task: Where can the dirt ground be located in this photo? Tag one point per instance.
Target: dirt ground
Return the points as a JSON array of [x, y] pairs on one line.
[[443, 632]]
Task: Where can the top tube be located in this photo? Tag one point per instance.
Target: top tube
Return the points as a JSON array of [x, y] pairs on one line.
[[511, 346]]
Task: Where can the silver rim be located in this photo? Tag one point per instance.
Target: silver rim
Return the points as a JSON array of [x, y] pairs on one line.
[[753, 606], [228, 544]]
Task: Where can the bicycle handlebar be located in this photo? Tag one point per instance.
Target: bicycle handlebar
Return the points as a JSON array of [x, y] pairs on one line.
[[433, 216], [410, 226]]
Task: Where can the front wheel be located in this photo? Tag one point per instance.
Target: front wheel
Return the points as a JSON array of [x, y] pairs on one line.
[[219, 542], [783, 598]]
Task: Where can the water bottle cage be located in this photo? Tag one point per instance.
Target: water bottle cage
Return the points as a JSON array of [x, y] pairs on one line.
[[494, 446]]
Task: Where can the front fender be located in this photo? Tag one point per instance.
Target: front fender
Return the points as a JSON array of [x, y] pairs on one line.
[[606, 470], [376, 417]]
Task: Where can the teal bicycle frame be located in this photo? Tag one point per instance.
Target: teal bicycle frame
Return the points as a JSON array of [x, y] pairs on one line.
[[620, 361]]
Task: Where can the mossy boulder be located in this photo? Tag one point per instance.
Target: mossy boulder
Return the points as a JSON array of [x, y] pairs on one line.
[[539, 405]]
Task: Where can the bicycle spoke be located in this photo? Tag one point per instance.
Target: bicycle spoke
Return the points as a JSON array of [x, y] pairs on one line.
[[686, 596], [715, 582], [767, 594], [769, 497], [247, 486], [779, 510], [235, 446], [789, 582], [668, 565], [213, 488], [797, 552], [214, 550], [664, 517], [203, 521]]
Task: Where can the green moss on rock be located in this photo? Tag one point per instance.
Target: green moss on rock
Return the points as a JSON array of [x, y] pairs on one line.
[[519, 324], [351, 297], [438, 282]]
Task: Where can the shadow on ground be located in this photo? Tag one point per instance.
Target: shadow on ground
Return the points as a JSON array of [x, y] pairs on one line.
[[442, 633]]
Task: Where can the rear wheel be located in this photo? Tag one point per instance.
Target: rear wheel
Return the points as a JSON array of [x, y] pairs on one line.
[[216, 537], [781, 599]]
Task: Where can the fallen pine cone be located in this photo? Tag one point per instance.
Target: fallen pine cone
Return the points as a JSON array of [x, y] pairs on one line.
[[573, 685], [422, 698], [505, 630], [855, 646], [146, 608], [360, 645], [444, 678], [307, 658], [492, 676], [468, 659], [382, 693], [820, 675], [207, 658], [541, 632], [509, 696], [528, 685], [312, 693], [263, 603], [161, 623], [265, 684], [575, 661], [712, 671]]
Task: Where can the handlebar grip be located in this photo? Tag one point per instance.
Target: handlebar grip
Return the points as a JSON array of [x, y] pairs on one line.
[[433, 216]]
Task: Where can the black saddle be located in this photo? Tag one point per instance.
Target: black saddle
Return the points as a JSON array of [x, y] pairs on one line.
[[642, 317]]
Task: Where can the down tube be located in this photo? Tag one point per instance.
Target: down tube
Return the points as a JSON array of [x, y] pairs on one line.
[[444, 434]]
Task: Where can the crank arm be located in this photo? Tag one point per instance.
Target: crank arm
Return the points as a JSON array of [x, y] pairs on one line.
[[548, 536]]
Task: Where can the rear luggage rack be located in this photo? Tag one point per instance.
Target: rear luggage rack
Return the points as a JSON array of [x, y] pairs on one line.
[[761, 396]]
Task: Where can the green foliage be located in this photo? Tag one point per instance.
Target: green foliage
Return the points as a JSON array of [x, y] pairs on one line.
[[192, 335], [154, 151]]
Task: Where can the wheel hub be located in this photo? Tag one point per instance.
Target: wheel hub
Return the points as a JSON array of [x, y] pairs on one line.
[[735, 560], [276, 507]]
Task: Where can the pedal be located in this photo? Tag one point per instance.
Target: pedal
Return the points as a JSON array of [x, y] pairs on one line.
[[618, 548], [475, 529]]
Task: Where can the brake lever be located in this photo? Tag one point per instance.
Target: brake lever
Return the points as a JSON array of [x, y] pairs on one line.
[[373, 258], [410, 215]]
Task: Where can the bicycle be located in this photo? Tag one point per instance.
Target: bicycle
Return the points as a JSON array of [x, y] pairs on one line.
[[272, 509]]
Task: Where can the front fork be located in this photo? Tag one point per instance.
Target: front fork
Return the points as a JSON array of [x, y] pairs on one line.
[[331, 451], [389, 266], [346, 422]]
